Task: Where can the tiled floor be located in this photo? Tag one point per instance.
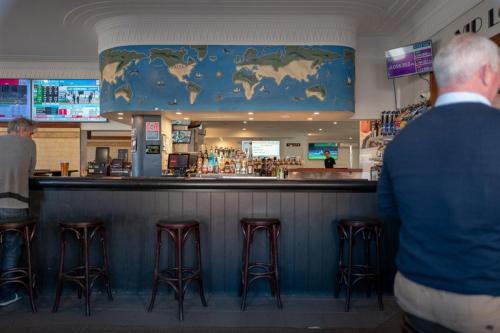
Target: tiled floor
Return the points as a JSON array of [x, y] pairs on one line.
[[127, 314]]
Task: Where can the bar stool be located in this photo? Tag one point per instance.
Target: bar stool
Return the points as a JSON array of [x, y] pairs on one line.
[[21, 275], [252, 271], [349, 274], [85, 274], [179, 276]]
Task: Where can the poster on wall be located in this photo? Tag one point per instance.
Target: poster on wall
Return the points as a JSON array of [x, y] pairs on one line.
[[152, 131]]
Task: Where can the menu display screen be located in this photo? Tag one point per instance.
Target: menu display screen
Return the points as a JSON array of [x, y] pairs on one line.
[[178, 161], [409, 60], [317, 150], [14, 99], [66, 101], [181, 136], [265, 148]]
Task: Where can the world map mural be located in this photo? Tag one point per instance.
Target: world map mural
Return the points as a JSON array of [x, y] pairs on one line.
[[227, 78]]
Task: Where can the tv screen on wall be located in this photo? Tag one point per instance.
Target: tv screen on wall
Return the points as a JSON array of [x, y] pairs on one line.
[[181, 136], [409, 60], [14, 99], [265, 148], [317, 150], [66, 101]]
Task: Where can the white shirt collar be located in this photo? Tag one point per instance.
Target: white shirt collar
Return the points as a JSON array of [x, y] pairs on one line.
[[461, 97]]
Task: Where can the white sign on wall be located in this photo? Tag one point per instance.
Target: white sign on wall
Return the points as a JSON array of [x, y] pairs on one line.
[[483, 19]]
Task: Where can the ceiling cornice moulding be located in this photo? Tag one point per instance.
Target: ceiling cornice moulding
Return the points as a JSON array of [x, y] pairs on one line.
[[49, 70], [262, 30]]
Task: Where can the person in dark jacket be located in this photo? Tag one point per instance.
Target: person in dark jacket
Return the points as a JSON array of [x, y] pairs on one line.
[[329, 161], [441, 177], [18, 159]]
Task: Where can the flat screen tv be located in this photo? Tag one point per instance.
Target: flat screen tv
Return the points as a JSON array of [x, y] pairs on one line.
[[317, 150], [66, 101], [265, 148], [181, 136], [14, 99], [409, 60], [178, 161]]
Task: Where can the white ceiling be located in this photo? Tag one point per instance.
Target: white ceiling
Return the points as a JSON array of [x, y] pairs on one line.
[[63, 30], [342, 131]]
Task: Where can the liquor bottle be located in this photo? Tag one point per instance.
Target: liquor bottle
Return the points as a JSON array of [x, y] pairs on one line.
[[250, 167], [205, 155], [221, 163], [199, 163], [211, 157], [204, 168], [216, 166], [382, 120]]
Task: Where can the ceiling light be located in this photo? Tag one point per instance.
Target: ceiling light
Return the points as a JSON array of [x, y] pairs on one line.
[[120, 118], [120, 113], [309, 134], [244, 122], [156, 109], [350, 138], [315, 113], [243, 129], [309, 118], [250, 118], [335, 123], [250, 113], [320, 129], [186, 118], [178, 113]]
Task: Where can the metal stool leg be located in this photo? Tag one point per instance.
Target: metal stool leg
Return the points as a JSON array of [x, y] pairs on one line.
[[156, 271], [367, 238], [247, 242], [340, 262], [200, 267], [180, 286], [105, 267], [86, 268], [349, 271], [274, 250], [27, 240]]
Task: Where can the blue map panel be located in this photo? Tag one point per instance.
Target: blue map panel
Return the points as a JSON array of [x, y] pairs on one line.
[[227, 78]]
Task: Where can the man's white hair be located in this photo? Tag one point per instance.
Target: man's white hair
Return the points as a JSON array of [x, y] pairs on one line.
[[463, 57]]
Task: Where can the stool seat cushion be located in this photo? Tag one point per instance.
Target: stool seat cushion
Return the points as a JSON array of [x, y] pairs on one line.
[[16, 223], [260, 221], [359, 222], [179, 224], [82, 224]]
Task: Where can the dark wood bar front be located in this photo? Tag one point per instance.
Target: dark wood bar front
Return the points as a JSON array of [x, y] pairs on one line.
[[130, 208]]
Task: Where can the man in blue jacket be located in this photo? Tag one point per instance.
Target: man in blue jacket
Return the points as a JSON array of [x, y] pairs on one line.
[[441, 177]]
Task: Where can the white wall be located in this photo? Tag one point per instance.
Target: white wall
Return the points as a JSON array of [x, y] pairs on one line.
[[374, 92]]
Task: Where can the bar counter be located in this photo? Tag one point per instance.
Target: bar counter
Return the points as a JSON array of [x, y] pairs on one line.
[[130, 207]]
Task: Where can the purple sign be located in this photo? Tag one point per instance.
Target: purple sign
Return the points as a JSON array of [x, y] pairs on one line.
[[409, 60]]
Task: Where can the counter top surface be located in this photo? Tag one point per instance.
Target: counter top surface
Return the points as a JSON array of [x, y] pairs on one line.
[[158, 183]]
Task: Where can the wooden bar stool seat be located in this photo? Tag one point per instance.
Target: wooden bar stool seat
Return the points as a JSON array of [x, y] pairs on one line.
[[252, 271], [348, 273], [85, 274], [21, 275], [179, 276]]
